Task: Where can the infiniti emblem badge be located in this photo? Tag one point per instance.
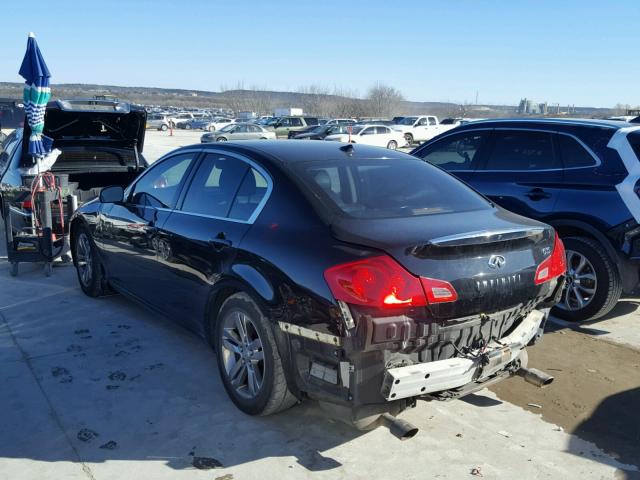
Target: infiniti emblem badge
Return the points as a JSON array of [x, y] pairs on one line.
[[496, 261]]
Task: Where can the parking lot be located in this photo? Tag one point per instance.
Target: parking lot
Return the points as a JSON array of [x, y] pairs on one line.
[[104, 389]]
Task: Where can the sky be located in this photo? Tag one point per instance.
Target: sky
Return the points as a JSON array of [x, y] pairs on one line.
[[560, 51]]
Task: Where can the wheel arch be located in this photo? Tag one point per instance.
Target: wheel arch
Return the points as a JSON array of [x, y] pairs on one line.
[[577, 228]]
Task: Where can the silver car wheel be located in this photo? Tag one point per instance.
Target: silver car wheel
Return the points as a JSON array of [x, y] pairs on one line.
[[581, 282], [84, 259], [242, 354]]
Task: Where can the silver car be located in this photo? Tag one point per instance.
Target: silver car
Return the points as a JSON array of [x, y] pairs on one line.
[[158, 121], [238, 131]]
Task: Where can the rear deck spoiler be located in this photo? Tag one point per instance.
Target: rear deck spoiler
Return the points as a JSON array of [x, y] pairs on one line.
[[484, 236]]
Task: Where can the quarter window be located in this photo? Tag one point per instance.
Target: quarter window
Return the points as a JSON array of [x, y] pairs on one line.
[[572, 153], [296, 122], [214, 186], [457, 152], [251, 192], [522, 150], [160, 185]]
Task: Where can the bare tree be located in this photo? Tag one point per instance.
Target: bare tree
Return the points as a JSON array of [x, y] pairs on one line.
[[383, 100]]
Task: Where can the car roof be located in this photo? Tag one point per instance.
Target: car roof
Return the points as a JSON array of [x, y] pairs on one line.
[[288, 151], [586, 122]]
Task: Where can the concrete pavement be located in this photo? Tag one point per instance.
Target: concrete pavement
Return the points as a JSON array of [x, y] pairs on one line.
[[101, 388]]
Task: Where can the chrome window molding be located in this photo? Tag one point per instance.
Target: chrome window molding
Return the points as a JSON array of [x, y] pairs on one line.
[[251, 220], [239, 157]]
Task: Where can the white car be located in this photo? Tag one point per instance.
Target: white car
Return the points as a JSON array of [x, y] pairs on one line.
[[419, 128], [220, 122], [181, 117], [341, 121], [376, 135]]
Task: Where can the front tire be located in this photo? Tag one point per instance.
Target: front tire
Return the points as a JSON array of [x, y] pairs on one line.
[[187, 127], [221, 139], [164, 127], [409, 138], [593, 284], [88, 268], [248, 359]]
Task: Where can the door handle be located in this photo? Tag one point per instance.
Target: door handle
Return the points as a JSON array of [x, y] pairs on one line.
[[537, 194]]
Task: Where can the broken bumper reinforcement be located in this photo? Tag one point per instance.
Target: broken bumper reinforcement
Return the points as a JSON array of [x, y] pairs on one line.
[[430, 377]]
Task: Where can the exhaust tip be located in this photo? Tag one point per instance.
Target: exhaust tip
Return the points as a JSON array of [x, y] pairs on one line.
[[535, 377], [399, 428]]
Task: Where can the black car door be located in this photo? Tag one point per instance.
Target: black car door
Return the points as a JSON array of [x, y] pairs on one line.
[[216, 210], [521, 172], [458, 154], [131, 234]]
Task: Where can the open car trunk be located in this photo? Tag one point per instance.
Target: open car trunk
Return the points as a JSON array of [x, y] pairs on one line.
[[101, 143]]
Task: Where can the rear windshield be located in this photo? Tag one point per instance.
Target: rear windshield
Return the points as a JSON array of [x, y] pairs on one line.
[[634, 140], [393, 188]]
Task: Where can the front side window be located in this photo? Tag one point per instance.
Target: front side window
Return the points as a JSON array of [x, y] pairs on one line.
[[159, 187], [572, 153], [296, 122], [457, 152], [522, 150], [369, 131], [214, 186], [432, 121]]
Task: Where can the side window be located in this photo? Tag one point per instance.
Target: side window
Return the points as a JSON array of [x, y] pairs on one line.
[[251, 192], [255, 129], [421, 122], [311, 121], [521, 150], [432, 121], [296, 122], [369, 131], [240, 129], [214, 186], [456, 152], [160, 185], [382, 130], [572, 153], [285, 122]]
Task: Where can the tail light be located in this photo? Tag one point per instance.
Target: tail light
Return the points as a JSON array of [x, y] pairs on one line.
[[554, 265], [381, 282]]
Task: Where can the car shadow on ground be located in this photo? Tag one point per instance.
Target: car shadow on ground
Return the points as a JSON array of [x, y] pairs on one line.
[[609, 429], [623, 307], [121, 383]]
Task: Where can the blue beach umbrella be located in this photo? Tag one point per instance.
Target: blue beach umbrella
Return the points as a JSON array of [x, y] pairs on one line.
[[36, 95]]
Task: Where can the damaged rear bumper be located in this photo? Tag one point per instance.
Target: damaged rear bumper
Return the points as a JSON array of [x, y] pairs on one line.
[[437, 376]]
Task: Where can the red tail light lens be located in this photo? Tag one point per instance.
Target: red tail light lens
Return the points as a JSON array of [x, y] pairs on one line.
[[382, 282], [554, 265]]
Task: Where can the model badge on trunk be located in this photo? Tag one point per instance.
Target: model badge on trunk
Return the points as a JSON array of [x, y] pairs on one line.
[[496, 261]]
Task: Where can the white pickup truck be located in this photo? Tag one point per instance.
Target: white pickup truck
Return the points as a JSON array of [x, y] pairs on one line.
[[420, 128]]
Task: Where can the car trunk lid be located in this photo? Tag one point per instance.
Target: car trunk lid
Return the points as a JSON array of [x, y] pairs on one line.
[[490, 257], [94, 125]]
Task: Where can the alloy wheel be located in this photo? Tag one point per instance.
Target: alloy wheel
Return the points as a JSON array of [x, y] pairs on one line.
[[581, 282], [242, 354], [84, 259]]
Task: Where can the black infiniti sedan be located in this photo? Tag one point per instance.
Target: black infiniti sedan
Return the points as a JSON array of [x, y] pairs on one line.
[[357, 276]]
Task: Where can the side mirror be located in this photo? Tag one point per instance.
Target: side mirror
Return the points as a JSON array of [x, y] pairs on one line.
[[113, 194]]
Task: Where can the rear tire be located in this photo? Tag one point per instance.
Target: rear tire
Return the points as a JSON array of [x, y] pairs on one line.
[[187, 127], [164, 127], [597, 271], [252, 354], [87, 262], [409, 138], [221, 139], [392, 145]]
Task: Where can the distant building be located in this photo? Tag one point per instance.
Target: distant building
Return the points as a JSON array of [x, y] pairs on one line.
[[529, 107]]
